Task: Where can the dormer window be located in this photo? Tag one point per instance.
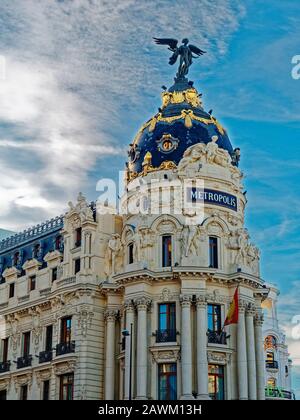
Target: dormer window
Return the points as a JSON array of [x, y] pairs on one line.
[[36, 250], [58, 242], [16, 258]]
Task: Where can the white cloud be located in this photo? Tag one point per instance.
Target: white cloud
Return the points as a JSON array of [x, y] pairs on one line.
[[74, 71]]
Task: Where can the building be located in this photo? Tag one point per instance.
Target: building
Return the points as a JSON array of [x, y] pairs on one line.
[[132, 305], [278, 364]]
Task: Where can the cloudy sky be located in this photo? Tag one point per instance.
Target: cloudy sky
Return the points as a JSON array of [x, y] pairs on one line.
[[78, 78]]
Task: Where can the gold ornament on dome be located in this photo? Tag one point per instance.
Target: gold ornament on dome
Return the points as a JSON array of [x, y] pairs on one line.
[[186, 114], [190, 96]]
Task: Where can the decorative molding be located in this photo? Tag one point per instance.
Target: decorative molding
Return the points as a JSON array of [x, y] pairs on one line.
[[166, 295], [43, 375], [165, 355], [63, 367], [22, 379], [110, 315], [216, 357]]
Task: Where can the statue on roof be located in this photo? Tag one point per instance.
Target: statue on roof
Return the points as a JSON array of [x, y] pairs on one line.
[[184, 51]]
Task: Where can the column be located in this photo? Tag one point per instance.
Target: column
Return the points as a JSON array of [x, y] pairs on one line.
[[142, 348], [129, 307], [250, 312], [110, 317], [259, 354], [202, 364], [186, 348], [242, 370]]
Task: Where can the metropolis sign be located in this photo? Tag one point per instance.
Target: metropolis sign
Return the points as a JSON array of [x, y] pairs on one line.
[[218, 198]]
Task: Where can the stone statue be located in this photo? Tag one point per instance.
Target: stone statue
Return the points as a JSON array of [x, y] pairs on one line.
[[189, 240], [243, 238], [185, 52], [211, 149], [192, 158], [114, 246], [236, 156]]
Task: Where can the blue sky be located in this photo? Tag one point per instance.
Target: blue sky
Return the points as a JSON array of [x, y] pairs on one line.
[[82, 76]]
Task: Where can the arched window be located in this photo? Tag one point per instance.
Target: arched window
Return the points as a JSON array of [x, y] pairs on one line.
[[130, 253], [270, 342], [166, 250], [213, 252]]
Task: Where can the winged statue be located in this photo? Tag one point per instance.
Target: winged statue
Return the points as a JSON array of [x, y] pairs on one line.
[[184, 51]]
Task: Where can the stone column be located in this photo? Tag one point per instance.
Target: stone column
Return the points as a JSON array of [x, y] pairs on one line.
[[259, 354], [129, 307], [242, 354], [110, 318], [250, 312], [142, 348], [202, 363], [186, 348]]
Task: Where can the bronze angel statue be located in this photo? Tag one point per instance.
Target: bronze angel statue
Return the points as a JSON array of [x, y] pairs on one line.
[[185, 52]]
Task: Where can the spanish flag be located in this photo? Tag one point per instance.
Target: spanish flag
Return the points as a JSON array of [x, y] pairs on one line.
[[233, 311]]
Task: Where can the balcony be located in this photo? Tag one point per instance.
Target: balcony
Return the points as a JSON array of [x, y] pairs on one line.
[[279, 393], [272, 364], [215, 337], [45, 356], [165, 336], [24, 361], [65, 348], [5, 366]]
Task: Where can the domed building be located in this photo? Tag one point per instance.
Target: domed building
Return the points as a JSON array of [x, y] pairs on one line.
[[161, 301]]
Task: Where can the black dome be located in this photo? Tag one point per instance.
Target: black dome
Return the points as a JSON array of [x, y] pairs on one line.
[[180, 123]]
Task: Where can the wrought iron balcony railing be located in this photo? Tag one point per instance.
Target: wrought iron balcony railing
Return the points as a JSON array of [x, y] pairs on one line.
[[45, 356], [4, 366], [24, 361], [217, 337], [279, 393], [65, 348], [271, 364], [165, 336]]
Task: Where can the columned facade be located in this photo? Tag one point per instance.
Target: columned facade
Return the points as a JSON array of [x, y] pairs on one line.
[[202, 364], [242, 354], [186, 348]]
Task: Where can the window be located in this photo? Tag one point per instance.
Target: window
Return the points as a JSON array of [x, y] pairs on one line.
[[3, 395], [167, 381], [216, 382], [214, 317], [166, 251], [4, 349], [49, 335], [58, 242], [271, 382], [36, 250], [77, 265], [11, 290], [24, 392], [16, 258], [54, 274], [78, 235], [130, 253], [46, 389], [26, 344], [66, 387], [32, 283], [213, 252], [65, 332], [166, 322], [270, 357], [270, 342]]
